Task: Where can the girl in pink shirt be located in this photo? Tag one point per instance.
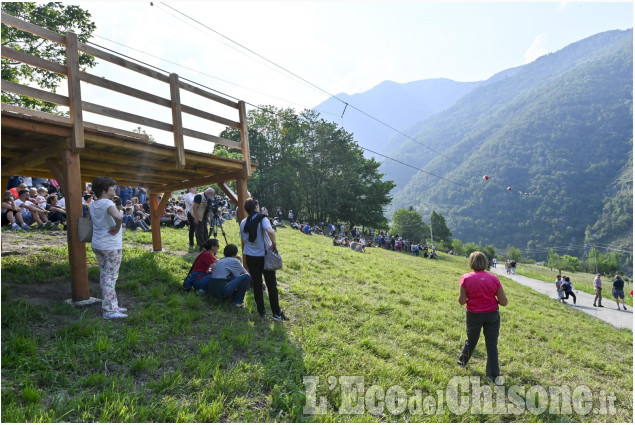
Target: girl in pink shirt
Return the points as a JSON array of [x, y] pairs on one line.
[[482, 293]]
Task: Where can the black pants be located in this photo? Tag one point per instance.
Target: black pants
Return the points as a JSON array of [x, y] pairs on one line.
[[490, 323], [567, 293], [256, 266], [190, 220], [201, 232]]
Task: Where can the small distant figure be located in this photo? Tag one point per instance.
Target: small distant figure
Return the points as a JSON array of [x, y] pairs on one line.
[[512, 265], [618, 291], [567, 288], [494, 260], [597, 284], [508, 267], [559, 289]]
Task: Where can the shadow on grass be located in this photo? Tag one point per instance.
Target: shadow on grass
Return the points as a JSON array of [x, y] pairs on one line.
[[177, 357]]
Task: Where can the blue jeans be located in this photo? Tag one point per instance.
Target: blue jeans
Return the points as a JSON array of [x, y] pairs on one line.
[[235, 288]]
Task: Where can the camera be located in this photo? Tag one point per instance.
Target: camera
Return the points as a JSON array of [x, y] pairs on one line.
[[216, 203]]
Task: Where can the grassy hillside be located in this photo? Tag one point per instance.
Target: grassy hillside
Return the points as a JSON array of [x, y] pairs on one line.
[[387, 317]]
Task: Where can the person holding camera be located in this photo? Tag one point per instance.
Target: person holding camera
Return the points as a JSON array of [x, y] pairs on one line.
[[200, 211]]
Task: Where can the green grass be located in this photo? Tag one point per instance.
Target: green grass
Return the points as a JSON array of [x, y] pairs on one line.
[[390, 318], [581, 281]]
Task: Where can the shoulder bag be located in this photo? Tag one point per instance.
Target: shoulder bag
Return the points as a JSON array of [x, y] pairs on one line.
[[85, 229], [273, 260]]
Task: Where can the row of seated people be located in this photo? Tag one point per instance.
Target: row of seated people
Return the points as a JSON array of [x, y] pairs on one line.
[[31, 208], [356, 244]]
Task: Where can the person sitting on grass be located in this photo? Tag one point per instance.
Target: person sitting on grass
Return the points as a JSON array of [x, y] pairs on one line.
[[128, 219], [229, 278], [40, 199], [56, 214], [11, 214], [618, 291], [140, 222], [203, 264], [180, 219], [31, 213]]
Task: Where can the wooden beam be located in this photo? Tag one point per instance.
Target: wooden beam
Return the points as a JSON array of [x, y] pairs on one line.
[[229, 192], [32, 112], [197, 182], [117, 60], [211, 138], [122, 88], [162, 204], [32, 28], [177, 121], [244, 138], [125, 116], [74, 92], [57, 168], [76, 249], [14, 169], [211, 117], [35, 126], [34, 93], [35, 61], [153, 200], [208, 95], [243, 195]]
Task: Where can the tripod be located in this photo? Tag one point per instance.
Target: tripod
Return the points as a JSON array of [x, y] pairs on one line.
[[214, 223]]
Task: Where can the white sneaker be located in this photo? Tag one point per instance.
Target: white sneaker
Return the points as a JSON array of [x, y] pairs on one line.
[[15, 226], [114, 315], [122, 309], [26, 226]]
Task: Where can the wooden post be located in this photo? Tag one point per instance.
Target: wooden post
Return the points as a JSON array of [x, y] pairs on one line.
[[243, 195], [177, 121], [76, 249], [74, 92], [155, 221], [244, 139]]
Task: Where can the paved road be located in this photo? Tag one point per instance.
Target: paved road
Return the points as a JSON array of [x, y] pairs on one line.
[[610, 314]]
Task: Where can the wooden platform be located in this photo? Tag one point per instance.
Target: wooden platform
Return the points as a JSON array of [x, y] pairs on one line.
[[32, 143]]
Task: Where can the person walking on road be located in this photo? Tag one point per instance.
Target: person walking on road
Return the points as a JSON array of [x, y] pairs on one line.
[[559, 289], [597, 284], [567, 288], [618, 291]]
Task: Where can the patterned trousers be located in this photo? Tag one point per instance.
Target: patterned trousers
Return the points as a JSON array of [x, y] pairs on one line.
[[109, 262]]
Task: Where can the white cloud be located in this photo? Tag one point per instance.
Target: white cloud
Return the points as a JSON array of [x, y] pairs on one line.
[[538, 48]]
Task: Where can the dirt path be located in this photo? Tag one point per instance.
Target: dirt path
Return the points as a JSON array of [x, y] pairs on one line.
[[610, 314]]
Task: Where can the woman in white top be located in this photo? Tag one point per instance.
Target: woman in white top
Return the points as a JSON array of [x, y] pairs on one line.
[[107, 243]]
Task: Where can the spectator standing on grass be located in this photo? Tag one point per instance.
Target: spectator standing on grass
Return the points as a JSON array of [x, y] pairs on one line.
[[252, 230], [200, 212], [618, 291], [107, 244], [189, 199], [597, 284], [567, 288], [482, 293]]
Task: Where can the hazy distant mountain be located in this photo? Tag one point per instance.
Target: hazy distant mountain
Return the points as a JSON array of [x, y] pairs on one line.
[[559, 129], [399, 105]]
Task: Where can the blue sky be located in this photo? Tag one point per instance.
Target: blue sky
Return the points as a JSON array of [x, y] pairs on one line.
[[343, 46]]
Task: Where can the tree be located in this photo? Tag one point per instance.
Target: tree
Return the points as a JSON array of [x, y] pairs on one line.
[[490, 252], [314, 168], [409, 224], [457, 246], [55, 17], [440, 230], [471, 247], [514, 253]]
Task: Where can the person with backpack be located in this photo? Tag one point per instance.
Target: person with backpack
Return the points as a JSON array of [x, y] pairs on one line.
[[567, 288], [618, 291]]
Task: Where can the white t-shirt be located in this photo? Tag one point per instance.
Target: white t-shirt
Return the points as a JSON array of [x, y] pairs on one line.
[[189, 198], [23, 206], [257, 247], [41, 201], [61, 203], [102, 222]]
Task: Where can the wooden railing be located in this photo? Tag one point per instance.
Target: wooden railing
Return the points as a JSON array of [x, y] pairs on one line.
[[77, 105]]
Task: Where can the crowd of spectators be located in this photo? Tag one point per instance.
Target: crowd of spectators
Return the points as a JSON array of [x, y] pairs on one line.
[[30, 203]]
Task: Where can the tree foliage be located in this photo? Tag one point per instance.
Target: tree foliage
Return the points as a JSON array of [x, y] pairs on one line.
[[409, 224], [440, 230], [314, 168], [56, 17]]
